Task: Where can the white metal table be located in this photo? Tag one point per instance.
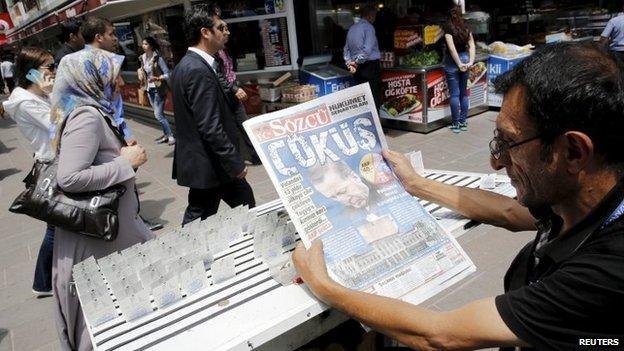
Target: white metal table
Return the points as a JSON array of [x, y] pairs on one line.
[[253, 310]]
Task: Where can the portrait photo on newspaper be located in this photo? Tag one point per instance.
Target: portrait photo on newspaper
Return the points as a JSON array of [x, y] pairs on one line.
[[324, 159]]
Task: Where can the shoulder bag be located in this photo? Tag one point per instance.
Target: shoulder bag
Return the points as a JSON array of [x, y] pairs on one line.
[[93, 214], [162, 86]]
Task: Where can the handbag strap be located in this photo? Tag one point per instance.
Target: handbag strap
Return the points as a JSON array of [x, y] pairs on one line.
[[114, 129]]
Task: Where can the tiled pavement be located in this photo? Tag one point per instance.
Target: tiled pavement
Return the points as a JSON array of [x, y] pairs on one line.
[[26, 323]]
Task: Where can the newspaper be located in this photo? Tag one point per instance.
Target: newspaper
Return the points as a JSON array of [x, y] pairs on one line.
[[324, 158]]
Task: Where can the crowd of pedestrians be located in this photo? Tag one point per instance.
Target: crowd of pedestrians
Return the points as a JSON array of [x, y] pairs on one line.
[[69, 106]]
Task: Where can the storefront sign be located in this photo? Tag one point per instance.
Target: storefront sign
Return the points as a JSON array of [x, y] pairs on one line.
[[274, 34], [40, 10], [432, 34], [5, 22], [478, 84], [407, 37], [17, 13], [437, 89], [402, 95], [498, 65]]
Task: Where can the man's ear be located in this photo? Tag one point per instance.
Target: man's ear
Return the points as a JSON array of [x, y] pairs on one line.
[[579, 150], [205, 33]]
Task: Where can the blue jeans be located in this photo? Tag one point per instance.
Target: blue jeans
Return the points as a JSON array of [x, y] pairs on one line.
[[158, 103], [457, 82], [43, 268]]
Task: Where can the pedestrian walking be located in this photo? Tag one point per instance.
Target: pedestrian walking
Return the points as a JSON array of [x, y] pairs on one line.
[[235, 97], [100, 34], [91, 158], [154, 79], [29, 106], [206, 159], [460, 55], [6, 69], [71, 37]]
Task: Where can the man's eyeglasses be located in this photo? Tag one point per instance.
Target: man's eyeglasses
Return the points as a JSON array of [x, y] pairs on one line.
[[498, 146], [222, 27], [51, 67]]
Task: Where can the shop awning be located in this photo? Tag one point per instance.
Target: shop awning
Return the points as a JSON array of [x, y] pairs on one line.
[[115, 10], [74, 9], [110, 9]]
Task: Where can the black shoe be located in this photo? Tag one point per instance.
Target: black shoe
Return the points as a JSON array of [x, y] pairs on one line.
[[152, 225], [41, 294]]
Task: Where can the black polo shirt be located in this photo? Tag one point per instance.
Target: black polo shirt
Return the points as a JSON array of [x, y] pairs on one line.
[[567, 292]]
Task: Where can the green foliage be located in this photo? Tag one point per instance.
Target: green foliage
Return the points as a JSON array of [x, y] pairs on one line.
[[423, 58]]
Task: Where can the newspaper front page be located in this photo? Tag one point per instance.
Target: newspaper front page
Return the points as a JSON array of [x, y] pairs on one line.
[[324, 158]]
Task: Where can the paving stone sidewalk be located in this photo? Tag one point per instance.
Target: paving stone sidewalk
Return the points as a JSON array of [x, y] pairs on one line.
[[26, 322]]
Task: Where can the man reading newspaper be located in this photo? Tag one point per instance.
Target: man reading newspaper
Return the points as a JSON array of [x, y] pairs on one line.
[[556, 136]]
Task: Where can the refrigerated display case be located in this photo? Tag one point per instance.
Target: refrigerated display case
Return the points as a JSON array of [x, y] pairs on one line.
[[417, 99]]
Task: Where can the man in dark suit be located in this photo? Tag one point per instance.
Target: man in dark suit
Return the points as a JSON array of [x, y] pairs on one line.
[[206, 159]]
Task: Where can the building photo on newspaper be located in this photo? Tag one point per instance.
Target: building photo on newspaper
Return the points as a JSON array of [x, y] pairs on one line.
[[324, 158]]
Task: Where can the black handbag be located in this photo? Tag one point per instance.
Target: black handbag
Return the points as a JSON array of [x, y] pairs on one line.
[[91, 213]]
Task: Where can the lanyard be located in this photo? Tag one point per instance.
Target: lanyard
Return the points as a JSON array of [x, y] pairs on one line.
[[617, 213]]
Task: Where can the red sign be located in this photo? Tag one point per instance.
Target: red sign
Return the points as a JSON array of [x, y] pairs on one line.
[[296, 124], [51, 19], [5, 22], [437, 89], [402, 95]]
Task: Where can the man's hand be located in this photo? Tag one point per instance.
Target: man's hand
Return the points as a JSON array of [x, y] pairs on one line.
[[402, 167], [352, 67], [131, 141], [242, 174], [135, 154], [310, 265], [241, 94], [463, 67]]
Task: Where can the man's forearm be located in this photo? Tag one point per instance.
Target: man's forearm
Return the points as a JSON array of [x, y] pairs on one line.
[[407, 323], [479, 205]]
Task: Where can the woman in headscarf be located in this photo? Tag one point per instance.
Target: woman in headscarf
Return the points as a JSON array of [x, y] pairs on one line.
[[91, 157]]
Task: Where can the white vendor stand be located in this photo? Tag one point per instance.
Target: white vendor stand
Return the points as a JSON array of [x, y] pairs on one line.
[[252, 310]]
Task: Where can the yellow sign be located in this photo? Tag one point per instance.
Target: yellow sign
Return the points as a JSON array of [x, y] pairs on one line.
[[432, 34]]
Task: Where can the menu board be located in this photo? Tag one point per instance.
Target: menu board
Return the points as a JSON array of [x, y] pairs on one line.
[[402, 95]]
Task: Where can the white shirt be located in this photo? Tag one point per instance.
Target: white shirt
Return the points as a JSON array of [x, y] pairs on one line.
[[206, 56], [31, 112], [6, 68]]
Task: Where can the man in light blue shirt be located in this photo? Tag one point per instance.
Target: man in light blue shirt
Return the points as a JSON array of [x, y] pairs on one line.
[[361, 53], [613, 35]]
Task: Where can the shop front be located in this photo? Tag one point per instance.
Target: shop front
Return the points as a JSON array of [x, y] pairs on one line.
[[262, 44], [417, 99]]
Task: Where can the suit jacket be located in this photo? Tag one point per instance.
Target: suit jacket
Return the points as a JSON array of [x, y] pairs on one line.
[[205, 154]]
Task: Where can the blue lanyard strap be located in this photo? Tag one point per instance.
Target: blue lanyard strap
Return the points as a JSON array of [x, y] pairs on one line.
[[617, 213]]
